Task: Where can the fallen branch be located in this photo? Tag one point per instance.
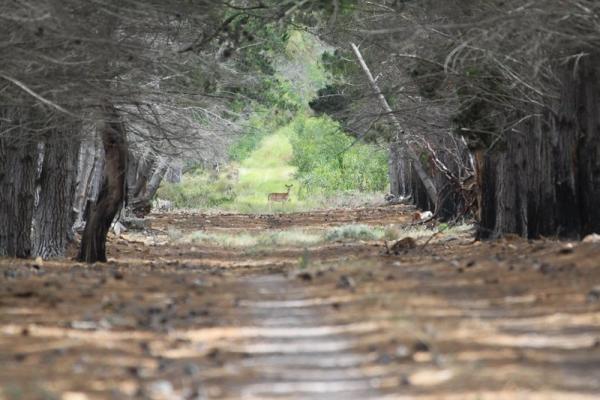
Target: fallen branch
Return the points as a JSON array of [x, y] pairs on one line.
[[37, 96], [416, 162]]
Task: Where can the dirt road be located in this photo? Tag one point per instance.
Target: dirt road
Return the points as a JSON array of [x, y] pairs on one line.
[[511, 319]]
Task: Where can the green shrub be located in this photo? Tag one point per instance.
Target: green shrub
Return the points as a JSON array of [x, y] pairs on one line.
[[330, 161], [199, 190], [354, 232]]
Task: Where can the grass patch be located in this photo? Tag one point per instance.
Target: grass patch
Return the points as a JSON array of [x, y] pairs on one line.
[[266, 170], [287, 238], [200, 189], [220, 239], [290, 238], [354, 232], [306, 238], [264, 239]]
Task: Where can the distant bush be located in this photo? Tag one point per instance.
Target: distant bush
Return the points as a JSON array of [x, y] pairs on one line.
[[290, 237], [329, 161], [199, 190], [354, 232]]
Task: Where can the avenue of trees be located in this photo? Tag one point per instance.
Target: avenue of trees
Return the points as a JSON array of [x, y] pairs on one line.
[[489, 108]]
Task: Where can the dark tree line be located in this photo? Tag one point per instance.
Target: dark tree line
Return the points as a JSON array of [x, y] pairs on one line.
[[499, 98], [79, 81]]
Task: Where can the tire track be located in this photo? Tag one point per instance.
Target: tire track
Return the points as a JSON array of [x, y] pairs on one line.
[[295, 354]]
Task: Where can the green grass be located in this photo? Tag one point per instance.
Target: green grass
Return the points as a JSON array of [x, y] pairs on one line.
[[263, 239], [198, 190], [306, 238], [306, 154], [284, 143], [354, 232], [287, 238], [266, 170]]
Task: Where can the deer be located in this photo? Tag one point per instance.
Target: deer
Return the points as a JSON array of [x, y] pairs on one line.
[[280, 196]]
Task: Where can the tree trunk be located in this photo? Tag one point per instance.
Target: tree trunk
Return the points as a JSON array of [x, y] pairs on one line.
[[54, 214], [112, 192], [546, 180], [18, 157], [152, 175], [404, 174], [158, 175], [416, 162], [394, 169], [88, 160], [420, 197], [579, 125], [139, 172]]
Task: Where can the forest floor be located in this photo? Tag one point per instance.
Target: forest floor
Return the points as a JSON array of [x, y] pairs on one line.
[[168, 319]]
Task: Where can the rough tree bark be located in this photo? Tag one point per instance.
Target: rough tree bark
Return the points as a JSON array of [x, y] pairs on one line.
[[88, 165], [394, 169], [112, 192], [156, 178], [546, 180], [139, 172], [579, 130], [54, 213], [18, 156]]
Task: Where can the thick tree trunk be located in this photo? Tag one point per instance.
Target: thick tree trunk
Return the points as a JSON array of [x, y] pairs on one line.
[[546, 181], [18, 158], [17, 194], [112, 192], [420, 197], [579, 130], [54, 213]]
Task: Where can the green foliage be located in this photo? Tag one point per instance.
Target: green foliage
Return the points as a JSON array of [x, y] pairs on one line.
[[282, 143], [199, 190], [354, 232], [261, 124], [288, 237], [301, 67], [266, 170], [272, 39], [328, 160], [310, 153]]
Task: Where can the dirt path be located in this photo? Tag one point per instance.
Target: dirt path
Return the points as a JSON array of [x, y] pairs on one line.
[[454, 320]]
